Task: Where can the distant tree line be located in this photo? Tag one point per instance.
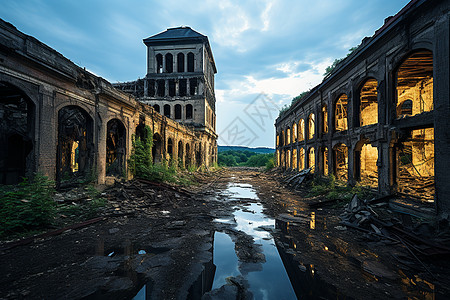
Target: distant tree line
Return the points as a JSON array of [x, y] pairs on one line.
[[232, 158]]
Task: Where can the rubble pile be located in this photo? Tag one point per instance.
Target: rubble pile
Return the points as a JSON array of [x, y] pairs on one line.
[[421, 240]]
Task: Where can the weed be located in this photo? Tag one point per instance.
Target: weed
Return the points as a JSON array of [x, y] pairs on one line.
[[26, 206], [332, 189]]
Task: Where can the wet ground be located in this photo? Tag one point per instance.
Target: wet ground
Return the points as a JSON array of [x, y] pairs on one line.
[[239, 235]]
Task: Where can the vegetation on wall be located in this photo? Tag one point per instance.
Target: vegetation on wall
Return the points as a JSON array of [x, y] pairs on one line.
[[141, 162]]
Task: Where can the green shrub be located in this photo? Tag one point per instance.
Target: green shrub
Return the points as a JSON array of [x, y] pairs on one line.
[[26, 206]]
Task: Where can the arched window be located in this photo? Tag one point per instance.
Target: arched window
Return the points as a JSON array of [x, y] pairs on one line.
[[172, 87], [415, 82], [159, 63], [325, 160], [75, 134], [311, 124], [177, 111], [182, 89], [189, 111], [157, 148], [170, 147], [180, 62], [301, 130], [294, 132], [368, 103], [161, 86], [156, 108], [366, 170], [193, 86], [311, 159], [288, 136], [301, 159], [324, 119], [341, 161], [405, 108], [167, 110], [190, 62], [340, 113], [169, 63]]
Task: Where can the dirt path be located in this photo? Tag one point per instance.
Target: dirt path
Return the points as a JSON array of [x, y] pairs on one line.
[[165, 250]]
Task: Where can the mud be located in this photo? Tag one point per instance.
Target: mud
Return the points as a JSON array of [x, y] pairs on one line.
[[219, 240]]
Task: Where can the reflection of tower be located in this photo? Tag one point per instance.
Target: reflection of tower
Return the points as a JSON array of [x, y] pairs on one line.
[[205, 280], [180, 77]]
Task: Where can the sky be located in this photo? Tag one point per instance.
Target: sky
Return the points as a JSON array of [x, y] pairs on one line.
[[266, 51]]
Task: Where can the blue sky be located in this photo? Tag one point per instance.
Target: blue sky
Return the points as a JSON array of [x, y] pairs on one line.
[[266, 51]]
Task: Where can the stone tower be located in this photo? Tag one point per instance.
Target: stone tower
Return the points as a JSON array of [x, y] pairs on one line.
[[180, 77]]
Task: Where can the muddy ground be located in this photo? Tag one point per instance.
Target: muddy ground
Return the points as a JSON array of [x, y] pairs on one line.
[[158, 241]]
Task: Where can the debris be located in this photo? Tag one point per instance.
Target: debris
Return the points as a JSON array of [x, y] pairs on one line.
[[113, 230]]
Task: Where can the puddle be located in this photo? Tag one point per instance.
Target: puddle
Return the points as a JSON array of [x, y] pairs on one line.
[[267, 280], [240, 191]]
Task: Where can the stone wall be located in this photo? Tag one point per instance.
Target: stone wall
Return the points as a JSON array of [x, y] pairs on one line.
[[396, 87], [70, 123]]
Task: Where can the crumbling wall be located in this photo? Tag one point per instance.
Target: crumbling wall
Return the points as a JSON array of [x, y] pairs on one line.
[[388, 103]]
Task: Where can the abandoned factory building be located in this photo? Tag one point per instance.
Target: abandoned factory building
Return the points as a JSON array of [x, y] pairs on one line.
[[64, 122], [382, 117], [180, 83]]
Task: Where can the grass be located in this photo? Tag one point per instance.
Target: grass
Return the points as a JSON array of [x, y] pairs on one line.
[[26, 206], [333, 189]]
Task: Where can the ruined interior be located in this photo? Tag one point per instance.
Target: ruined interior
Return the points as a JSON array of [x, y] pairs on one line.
[[340, 152], [288, 136], [325, 161], [368, 103], [301, 159], [415, 84], [294, 132], [289, 159], [311, 126], [415, 164], [16, 134], [75, 138], [294, 159], [170, 148], [311, 159], [366, 157], [157, 149], [340, 113], [115, 148], [301, 130], [324, 119], [188, 156]]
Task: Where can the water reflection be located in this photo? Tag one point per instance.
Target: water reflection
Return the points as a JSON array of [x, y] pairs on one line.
[[306, 283], [268, 280]]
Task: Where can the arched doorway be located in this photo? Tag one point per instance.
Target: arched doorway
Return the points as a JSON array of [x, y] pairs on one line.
[[180, 154], [115, 148], [16, 134], [157, 148], [74, 159]]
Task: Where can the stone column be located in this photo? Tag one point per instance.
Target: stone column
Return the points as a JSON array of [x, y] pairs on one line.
[[166, 87], [145, 87], [441, 96], [175, 63], [164, 64], [188, 87]]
